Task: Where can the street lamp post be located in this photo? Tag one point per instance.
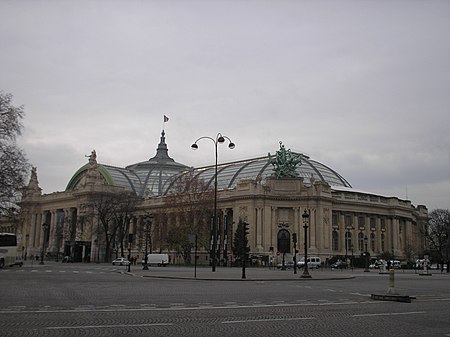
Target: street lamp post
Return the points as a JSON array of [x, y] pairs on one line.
[[45, 227], [351, 262], [347, 234], [219, 139], [294, 240], [130, 241], [305, 217], [366, 269], [148, 219]]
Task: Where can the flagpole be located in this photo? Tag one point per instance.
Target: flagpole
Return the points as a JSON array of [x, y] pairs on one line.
[[165, 119]]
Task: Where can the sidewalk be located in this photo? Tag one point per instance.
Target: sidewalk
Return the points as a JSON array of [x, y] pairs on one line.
[[235, 274]]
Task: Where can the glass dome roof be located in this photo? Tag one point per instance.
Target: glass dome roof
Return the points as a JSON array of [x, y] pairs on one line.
[[157, 175], [229, 174], [145, 178]]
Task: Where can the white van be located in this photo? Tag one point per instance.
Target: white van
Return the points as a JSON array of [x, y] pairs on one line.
[[395, 264], [157, 260], [313, 262]]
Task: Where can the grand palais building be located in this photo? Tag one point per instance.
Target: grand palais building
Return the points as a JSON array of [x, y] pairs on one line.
[[342, 221]]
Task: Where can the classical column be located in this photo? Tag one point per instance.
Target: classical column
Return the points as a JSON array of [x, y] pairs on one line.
[[319, 229], [313, 230], [378, 235], [32, 231], [259, 229], [274, 228], [267, 227], [394, 226], [341, 232], [39, 232], [52, 234]]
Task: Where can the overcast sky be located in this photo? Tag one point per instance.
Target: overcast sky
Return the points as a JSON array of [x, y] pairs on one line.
[[361, 86]]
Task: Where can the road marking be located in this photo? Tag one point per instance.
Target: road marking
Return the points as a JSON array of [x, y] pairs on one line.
[[359, 294], [391, 314], [105, 326], [122, 308], [269, 320]]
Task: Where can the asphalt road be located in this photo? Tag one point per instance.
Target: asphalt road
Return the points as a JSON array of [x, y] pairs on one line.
[[103, 300]]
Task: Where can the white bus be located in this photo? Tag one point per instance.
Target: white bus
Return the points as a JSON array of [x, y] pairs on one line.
[[8, 249]]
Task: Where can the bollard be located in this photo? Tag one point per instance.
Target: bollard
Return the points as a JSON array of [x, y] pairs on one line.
[[391, 289], [392, 294]]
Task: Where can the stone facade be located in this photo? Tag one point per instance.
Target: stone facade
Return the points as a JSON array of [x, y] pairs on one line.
[[390, 224], [342, 221]]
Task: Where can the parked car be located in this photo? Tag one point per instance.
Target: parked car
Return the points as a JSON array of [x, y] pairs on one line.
[[287, 265], [395, 264], [377, 264], [339, 264], [160, 260], [121, 261], [67, 259], [313, 262]]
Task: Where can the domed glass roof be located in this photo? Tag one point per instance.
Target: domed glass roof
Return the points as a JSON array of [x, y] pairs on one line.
[[229, 174], [157, 175], [145, 178]]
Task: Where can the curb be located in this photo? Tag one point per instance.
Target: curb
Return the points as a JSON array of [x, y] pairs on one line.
[[246, 279]]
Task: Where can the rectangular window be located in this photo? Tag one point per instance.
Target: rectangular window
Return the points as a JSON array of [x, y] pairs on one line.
[[348, 221], [372, 242], [373, 222], [335, 240], [361, 222], [335, 220]]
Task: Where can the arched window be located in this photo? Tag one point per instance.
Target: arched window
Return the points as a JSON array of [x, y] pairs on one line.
[[348, 241], [284, 241], [335, 240], [372, 242], [361, 241]]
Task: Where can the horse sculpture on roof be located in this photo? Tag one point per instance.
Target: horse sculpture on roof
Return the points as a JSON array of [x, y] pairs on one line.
[[285, 162]]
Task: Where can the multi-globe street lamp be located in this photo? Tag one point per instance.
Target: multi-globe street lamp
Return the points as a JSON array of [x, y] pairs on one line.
[[366, 269], [219, 139], [148, 219], [305, 217]]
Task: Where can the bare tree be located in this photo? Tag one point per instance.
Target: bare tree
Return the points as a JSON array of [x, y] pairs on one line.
[[438, 234], [13, 164], [189, 206], [113, 210]]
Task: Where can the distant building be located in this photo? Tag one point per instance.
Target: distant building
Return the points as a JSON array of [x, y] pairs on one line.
[[343, 220]]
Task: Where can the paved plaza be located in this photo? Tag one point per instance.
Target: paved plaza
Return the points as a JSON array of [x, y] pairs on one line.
[[57, 299]]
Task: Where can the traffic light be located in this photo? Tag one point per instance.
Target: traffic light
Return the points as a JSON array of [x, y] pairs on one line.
[[294, 237], [246, 228]]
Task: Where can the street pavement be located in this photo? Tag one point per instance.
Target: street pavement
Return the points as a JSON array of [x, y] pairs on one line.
[[89, 299], [234, 273]]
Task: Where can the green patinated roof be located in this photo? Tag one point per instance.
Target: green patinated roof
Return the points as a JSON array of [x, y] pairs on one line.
[[144, 178], [157, 175]]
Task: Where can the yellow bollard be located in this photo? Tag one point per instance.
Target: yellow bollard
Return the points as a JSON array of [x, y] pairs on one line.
[[391, 278], [391, 289]]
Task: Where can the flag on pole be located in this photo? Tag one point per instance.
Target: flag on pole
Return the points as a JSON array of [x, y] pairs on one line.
[[166, 119]]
